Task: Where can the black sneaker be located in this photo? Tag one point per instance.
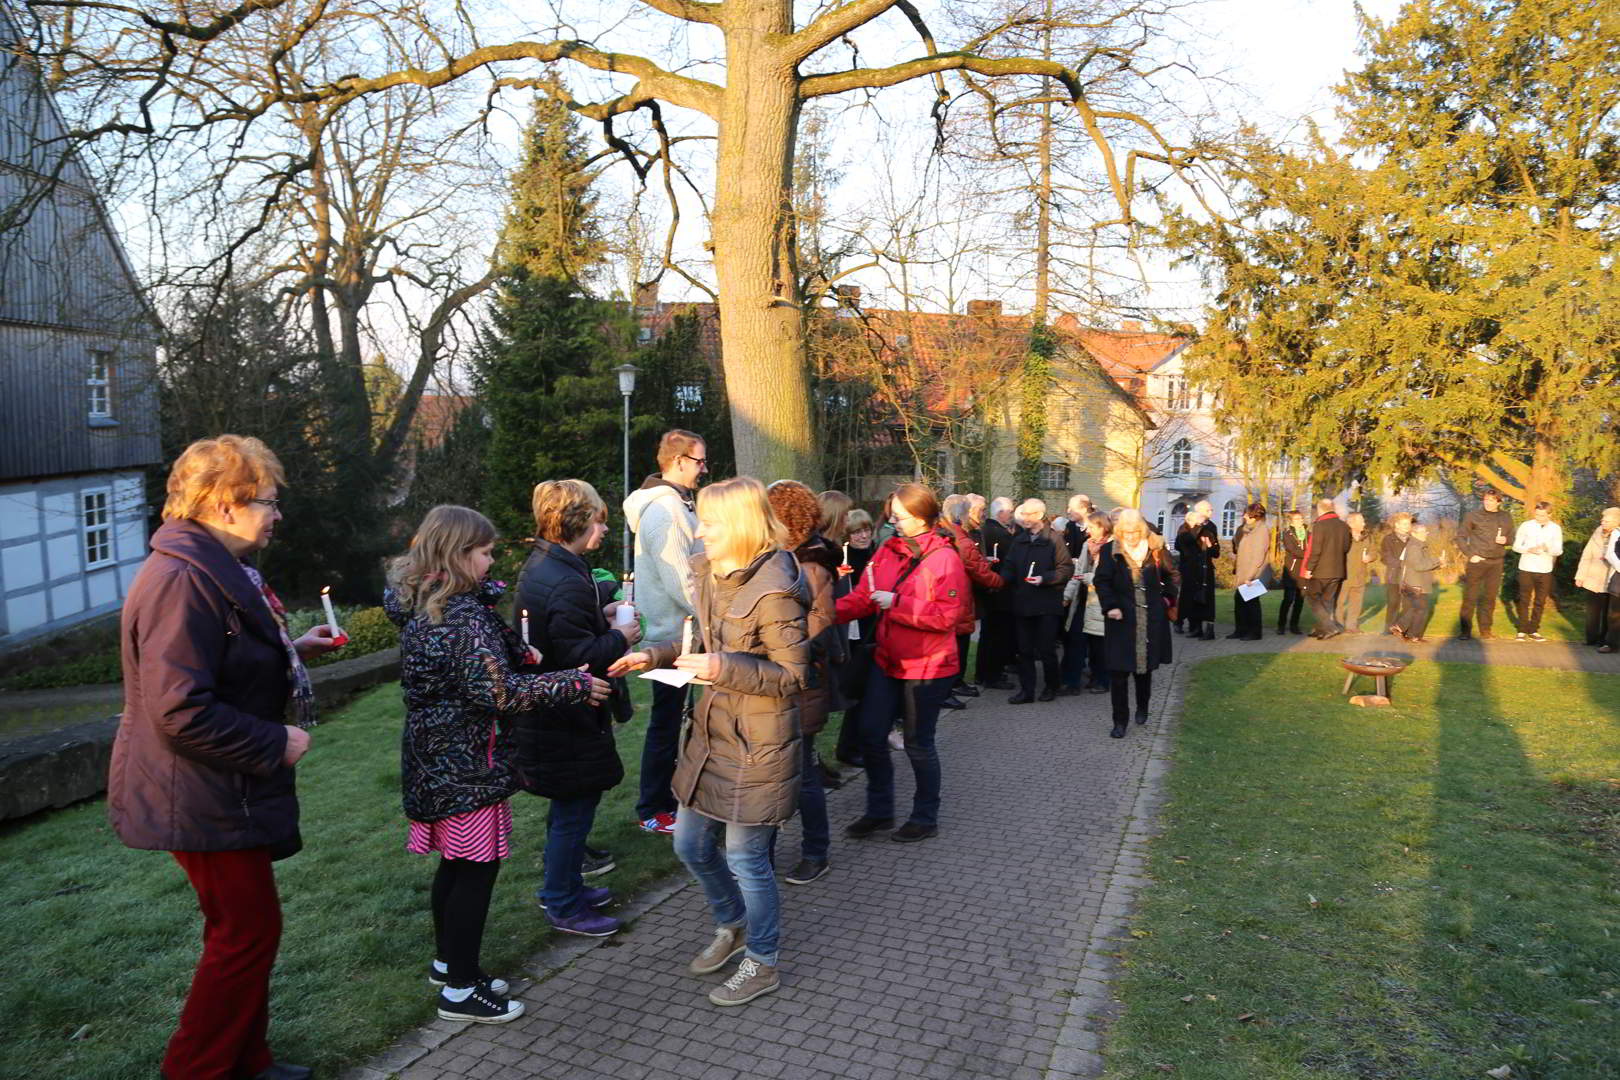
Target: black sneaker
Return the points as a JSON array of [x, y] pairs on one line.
[[966, 689], [911, 832], [952, 703], [437, 976], [807, 871], [1048, 694], [596, 862], [865, 826], [1141, 716], [482, 1006]]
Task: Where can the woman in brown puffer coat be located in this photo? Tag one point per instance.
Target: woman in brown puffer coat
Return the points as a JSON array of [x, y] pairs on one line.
[[737, 778]]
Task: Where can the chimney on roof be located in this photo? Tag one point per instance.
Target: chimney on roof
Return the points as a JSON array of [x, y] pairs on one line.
[[647, 297], [848, 295], [1130, 326], [984, 309]]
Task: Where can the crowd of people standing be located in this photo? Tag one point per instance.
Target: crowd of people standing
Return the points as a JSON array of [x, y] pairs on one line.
[[780, 605]]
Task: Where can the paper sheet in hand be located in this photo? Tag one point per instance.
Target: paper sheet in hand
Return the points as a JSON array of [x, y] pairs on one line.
[[1251, 589], [668, 676]]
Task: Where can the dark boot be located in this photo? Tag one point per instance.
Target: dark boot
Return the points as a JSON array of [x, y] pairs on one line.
[[1118, 732], [1209, 631]]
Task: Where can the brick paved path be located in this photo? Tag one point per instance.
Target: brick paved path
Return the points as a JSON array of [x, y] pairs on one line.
[[975, 954]]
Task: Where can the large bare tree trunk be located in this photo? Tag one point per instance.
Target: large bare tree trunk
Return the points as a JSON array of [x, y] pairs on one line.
[[761, 328]]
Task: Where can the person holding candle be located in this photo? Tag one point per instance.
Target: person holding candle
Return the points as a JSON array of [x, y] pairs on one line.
[[1483, 537], [462, 670], [567, 753], [1136, 586], [738, 777], [1035, 572], [662, 513], [954, 518], [202, 765], [918, 588]]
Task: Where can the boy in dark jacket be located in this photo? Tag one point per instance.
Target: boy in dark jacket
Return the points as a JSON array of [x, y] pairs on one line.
[[1483, 537]]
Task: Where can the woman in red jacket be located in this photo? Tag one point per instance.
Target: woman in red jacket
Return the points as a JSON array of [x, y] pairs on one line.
[[918, 587]]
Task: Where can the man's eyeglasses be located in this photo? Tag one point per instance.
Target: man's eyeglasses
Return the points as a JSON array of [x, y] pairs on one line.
[[702, 462], [273, 504]]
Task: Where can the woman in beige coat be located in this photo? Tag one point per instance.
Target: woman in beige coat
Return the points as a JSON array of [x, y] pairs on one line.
[[1601, 582], [738, 774]]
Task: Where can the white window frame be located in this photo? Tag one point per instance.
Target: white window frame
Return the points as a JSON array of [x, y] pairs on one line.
[[1054, 470], [1181, 457], [99, 384], [96, 533], [1229, 518]]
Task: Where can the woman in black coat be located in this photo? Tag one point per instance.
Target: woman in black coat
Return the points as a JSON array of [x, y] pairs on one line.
[[1035, 566], [202, 766], [1293, 542], [1198, 545], [567, 752], [1136, 587]]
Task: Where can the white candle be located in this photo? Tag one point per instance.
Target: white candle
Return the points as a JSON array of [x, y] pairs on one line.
[[871, 582], [846, 552], [686, 635], [630, 588], [524, 623], [331, 616], [1031, 570], [995, 551]]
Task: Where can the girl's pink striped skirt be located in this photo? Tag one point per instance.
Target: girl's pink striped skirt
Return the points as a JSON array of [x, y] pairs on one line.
[[477, 835]]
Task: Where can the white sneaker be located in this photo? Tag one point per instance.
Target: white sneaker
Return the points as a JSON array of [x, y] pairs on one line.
[[1521, 637]]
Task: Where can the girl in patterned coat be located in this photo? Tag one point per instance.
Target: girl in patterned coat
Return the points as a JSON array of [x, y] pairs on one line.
[[461, 673]]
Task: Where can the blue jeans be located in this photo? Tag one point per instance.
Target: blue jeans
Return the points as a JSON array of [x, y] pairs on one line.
[[916, 703], [659, 752], [817, 838], [567, 826], [740, 884]]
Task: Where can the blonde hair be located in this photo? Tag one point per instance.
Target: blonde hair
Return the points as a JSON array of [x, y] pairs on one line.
[[225, 469], [975, 511], [1132, 526], [435, 568], [564, 509], [835, 507], [742, 504], [954, 509], [856, 520]]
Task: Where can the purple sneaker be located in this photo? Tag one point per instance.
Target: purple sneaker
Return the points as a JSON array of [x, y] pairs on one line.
[[597, 898], [586, 924]]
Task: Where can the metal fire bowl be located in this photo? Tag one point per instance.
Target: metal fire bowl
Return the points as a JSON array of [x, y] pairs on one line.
[[1376, 666]]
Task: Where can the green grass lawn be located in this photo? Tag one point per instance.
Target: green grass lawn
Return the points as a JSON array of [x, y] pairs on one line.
[[1563, 621], [1421, 892], [102, 939]]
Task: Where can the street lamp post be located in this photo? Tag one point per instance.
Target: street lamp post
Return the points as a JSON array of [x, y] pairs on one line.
[[627, 386]]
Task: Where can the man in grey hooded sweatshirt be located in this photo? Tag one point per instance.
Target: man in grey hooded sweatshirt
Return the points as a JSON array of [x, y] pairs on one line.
[[663, 515]]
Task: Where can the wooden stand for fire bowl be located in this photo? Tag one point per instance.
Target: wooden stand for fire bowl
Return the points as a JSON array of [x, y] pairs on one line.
[[1382, 669]]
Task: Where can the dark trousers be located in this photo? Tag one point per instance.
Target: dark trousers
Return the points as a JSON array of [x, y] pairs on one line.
[[1097, 659], [460, 897], [1481, 582], [1120, 686], [222, 1027], [817, 832], [1324, 597], [1414, 612], [995, 645], [567, 826], [1248, 616], [659, 751], [1073, 665], [1534, 589], [963, 643], [1037, 644], [1392, 605], [1288, 611], [1602, 619], [915, 703]]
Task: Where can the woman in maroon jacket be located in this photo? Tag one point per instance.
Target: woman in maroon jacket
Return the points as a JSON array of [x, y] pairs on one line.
[[918, 586], [203, 763]]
